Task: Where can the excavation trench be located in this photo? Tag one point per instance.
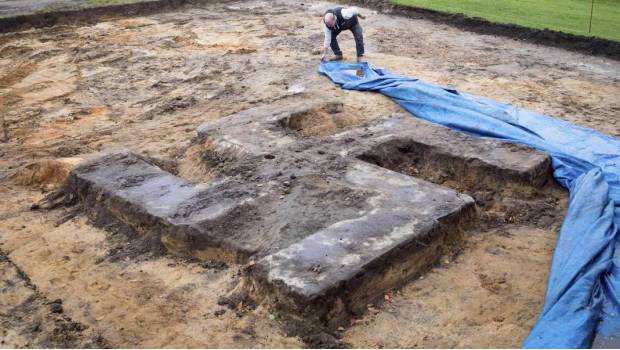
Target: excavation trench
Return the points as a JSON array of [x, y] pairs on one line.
[[417, 159]]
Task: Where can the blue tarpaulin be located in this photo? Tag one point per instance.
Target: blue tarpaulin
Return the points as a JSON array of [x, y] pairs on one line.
[[582, 298]]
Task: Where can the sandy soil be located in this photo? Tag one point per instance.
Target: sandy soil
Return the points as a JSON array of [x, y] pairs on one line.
[[146, 83]]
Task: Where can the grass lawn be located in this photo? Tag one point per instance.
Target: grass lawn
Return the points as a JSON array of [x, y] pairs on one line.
[[69, 5], [570, 16]]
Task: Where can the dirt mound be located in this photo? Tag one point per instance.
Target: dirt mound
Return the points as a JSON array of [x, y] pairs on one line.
[[45, 175], [322, 121], [192, 165]]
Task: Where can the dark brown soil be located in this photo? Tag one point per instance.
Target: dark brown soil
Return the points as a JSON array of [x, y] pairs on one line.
[[41, 322]]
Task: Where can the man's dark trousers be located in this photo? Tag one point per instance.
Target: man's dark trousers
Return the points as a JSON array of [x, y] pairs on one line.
[[357, 35]]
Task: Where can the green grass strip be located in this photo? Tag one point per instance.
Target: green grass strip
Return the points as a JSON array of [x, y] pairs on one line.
[[569, 16]]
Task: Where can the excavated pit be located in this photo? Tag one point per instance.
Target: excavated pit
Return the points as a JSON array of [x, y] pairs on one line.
[[471, 173], [453, 159], [326, 119], [327, 222]]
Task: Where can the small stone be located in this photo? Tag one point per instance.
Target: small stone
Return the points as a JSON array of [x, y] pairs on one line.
[[545, 221], [56, 308], [214, 265], [219, 313], [498, 318], [296, 89], [355, 321], [249, 330], [493, 250], [315, 268], [335, 107]]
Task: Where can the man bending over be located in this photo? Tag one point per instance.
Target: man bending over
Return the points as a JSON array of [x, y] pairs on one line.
[[335, 21]]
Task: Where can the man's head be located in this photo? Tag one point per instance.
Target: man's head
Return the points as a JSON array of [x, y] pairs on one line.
[[330, 20]]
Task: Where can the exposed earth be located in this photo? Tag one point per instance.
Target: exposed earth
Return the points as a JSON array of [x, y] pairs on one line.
[[145, 84]]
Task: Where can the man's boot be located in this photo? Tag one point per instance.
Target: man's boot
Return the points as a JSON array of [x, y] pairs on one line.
[[337, 58]]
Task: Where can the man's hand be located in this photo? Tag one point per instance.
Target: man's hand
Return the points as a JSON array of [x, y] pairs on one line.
[[324, 55], [361, 16]]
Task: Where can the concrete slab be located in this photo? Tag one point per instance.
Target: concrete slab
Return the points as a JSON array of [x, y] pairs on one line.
[[339, 269], [400, 143], [181, 215], [330, 231], [228, 219], [392, 232]]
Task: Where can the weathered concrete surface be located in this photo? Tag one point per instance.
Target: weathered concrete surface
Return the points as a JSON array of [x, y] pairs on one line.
[[229, 218], [342, 267], [330, 232], [183, 216], [399, 143]]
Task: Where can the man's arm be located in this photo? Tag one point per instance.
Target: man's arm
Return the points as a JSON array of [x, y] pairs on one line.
[[326, 42]]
